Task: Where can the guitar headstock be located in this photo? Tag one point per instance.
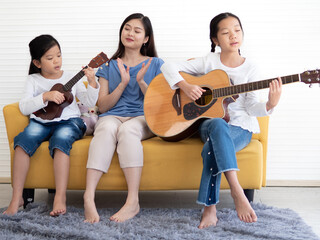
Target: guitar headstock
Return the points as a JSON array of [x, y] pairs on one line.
[[100, 59], [310, 77]]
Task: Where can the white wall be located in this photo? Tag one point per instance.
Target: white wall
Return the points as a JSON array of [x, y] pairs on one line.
[[281, 36]]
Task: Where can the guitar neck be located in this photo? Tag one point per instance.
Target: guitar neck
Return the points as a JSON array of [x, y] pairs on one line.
[[248, 87], [68, 86]]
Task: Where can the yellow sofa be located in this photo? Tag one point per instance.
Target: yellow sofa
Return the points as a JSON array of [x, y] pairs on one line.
[[167, 165]]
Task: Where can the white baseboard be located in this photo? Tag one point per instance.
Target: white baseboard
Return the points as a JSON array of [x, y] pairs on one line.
[[293, 183], [270, 183], [5, 180]]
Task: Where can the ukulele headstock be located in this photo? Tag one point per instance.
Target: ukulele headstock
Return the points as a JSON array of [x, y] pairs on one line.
[[310, 77], [100, 59]]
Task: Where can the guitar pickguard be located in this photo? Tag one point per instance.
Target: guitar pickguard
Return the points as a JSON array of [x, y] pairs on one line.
[[192, 111]]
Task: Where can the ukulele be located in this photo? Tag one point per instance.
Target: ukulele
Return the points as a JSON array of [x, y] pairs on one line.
[[171, 115], [53, 110]]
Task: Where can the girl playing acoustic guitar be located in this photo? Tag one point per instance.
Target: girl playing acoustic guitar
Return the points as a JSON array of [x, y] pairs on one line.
[[221, 139], [45, 72], [122, 124]]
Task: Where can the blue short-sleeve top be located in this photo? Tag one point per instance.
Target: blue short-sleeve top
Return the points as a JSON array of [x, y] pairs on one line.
[[130, 103]]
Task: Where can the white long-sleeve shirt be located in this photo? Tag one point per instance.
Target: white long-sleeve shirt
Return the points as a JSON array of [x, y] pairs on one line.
[[36, 85], [246, 108]]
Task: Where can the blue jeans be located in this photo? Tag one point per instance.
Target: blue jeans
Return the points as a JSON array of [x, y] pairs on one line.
[[61, 135], [221, 142]]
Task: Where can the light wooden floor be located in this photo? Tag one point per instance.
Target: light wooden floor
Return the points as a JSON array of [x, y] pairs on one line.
[[305, 201]]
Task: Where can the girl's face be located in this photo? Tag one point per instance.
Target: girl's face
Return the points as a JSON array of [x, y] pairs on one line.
[[230, 35], [50, 63], [133, 34]]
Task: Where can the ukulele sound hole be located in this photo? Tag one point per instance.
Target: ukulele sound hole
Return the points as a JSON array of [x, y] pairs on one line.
[[206, 97]]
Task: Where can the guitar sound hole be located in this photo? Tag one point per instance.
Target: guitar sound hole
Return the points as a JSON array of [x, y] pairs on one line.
[[206, 97]]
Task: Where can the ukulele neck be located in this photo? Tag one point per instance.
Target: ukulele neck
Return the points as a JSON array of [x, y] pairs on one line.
[[68, 86]]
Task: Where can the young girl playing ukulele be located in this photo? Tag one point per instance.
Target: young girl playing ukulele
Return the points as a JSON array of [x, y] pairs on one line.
[[45, 71], [122, 124], [221, 139]]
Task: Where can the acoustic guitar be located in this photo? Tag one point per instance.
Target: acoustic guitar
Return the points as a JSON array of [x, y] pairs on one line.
[[53, 110], [171, 115]]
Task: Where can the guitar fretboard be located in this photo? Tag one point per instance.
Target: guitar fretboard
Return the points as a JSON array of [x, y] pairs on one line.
[[74, 80], [248, 87]]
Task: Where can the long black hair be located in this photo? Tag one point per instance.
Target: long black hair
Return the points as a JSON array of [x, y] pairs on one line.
[[214, 27], [38, 47], [147, 49]]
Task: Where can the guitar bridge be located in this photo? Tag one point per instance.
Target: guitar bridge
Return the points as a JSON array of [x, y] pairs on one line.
[[176, 101]]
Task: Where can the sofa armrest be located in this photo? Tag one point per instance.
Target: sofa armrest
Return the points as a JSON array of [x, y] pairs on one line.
[[263, 138], [15, 120]]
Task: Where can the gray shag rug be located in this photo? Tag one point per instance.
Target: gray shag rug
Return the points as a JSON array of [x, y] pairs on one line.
[[154, 223]]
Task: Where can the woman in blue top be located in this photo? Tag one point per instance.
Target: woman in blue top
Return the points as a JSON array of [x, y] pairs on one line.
[[121, 125]]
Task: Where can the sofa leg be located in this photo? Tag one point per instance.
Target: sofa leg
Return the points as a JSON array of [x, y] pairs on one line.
[[249, 194], [28, 196], [51, 191]]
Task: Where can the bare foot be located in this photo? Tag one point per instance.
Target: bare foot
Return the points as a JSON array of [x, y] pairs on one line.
[[90, 211], [127, 212], [13, 207], [59, 206], [209, 217], [243, 207]]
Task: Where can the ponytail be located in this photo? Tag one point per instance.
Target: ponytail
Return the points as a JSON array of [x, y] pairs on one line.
[[33, 68], [213, 46]]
